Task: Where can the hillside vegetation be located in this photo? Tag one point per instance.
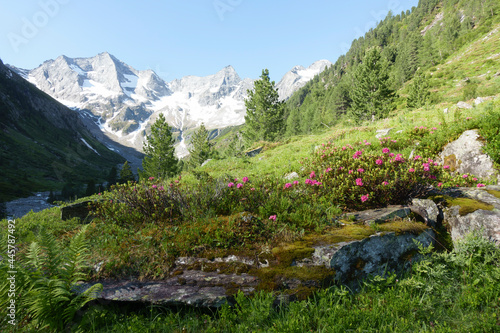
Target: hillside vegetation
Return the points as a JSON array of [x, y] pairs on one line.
[[431, 38], [43, 144]]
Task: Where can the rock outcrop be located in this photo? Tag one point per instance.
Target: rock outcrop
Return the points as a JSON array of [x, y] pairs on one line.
[[347, 253], [472, 209], [80, 210], [377, 255], [465, 156]]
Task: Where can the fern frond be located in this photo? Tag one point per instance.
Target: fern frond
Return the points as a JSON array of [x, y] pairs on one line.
[[80, 300], [34, 254], [75, 255], [51, 258]]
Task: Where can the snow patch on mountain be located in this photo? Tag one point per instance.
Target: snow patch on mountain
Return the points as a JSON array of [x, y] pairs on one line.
[[89, 146], [298, 76]]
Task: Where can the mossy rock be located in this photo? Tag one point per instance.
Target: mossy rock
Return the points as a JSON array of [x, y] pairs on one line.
[[281, 278], [289, 253], [494, 193], [402, 227], [468, 206], [347, 233]]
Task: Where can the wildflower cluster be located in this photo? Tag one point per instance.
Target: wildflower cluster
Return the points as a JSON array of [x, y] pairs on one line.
[[356, 179]]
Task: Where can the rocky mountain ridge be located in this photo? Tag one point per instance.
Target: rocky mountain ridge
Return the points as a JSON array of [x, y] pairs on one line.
[[124, 102]]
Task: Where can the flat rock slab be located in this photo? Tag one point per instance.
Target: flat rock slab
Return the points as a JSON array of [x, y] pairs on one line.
[[254, 152], [381, 214], [195, 288]]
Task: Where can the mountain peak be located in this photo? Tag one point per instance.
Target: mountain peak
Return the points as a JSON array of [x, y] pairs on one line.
[[298, 76]]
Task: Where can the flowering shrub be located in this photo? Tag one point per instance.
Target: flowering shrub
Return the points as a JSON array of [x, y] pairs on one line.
[[387, 178]]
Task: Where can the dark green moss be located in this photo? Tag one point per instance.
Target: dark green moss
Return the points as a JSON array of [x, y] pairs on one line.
[[409, 255], [360, 264]]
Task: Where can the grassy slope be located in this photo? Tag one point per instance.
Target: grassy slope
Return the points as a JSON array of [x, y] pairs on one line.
[[476, 61]]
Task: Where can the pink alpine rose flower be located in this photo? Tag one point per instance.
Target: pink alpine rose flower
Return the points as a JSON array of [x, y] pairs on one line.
[[364, 197], [359, 182]]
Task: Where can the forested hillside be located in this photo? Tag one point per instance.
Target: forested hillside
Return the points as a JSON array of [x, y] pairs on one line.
[[401, 46], [43, 144]]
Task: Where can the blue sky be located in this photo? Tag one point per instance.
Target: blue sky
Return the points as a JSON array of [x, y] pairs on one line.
[[191, 37]]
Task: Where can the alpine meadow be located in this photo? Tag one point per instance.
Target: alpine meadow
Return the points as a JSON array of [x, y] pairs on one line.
[[356, 196]]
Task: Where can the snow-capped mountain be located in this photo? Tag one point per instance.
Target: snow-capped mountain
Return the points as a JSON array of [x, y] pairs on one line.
[[298, 76], [124, 102]]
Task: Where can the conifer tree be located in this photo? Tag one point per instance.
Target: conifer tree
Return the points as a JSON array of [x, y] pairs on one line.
[[264, 119], [201, 147], [112, 177], [160, 160], [293, 123], [370, 94], [90, 188], [418, 93], [126, 174]]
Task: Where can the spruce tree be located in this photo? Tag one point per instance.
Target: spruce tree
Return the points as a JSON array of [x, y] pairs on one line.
[[418, 93], [201, 147], [293, 123], [90, 188], [126, 174], [160, 160], [112, 177], [370, 94], [264, 119]]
